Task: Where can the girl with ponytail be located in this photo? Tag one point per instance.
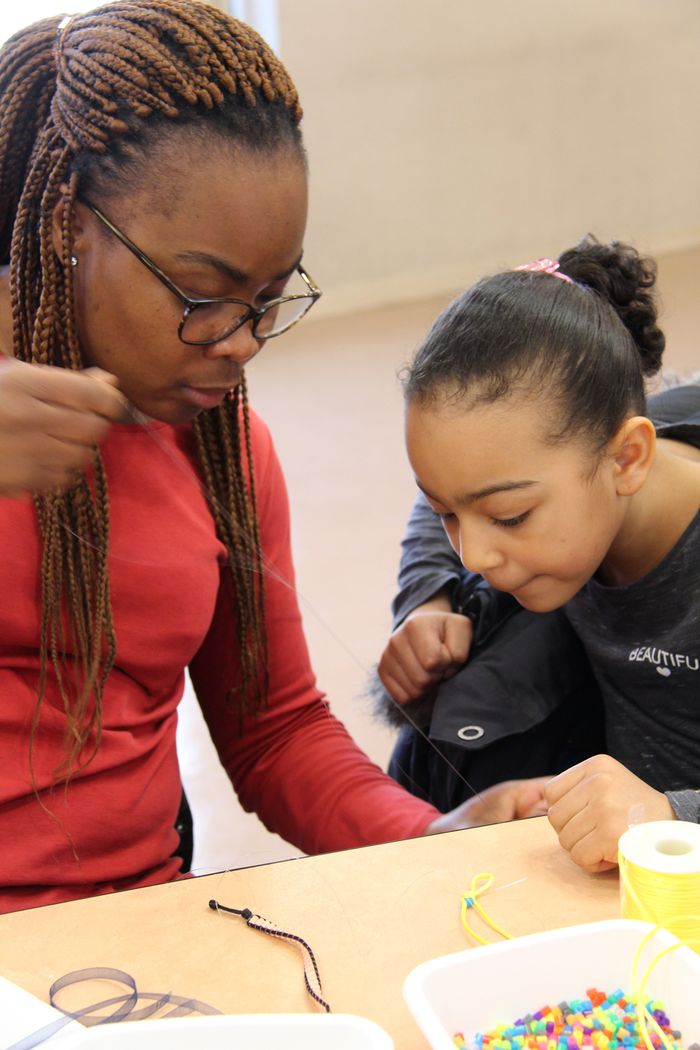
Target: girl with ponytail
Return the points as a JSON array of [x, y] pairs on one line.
[[152, 214], [531, 441]]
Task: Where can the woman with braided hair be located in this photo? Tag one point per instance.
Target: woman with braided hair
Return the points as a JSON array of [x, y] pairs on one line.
[[152, 214]]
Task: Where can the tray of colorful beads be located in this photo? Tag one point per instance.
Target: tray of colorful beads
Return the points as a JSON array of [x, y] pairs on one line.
[[473, 998], [598, 1021]]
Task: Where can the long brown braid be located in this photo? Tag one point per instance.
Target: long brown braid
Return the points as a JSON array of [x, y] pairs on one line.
[[81, 104]]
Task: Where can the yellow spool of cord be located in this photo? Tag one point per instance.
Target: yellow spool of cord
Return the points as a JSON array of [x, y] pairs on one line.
[[660, 877]]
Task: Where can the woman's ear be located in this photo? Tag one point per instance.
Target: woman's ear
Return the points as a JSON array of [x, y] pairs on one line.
[[632, 453]]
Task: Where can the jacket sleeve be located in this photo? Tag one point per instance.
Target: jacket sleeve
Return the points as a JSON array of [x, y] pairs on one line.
[[685, 804], [294, 764], [428, 563]]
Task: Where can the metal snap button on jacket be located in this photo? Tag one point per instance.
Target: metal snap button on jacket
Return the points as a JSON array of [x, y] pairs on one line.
[[470, 732]]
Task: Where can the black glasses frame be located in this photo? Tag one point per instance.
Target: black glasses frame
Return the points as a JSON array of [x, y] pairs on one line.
[[191, 303]]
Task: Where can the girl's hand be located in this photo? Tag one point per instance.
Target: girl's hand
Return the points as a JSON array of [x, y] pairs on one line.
[[589, 808], [431, 644], [511, 800], [50, 419]]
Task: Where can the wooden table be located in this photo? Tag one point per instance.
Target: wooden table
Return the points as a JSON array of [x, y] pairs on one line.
[[370, 915]]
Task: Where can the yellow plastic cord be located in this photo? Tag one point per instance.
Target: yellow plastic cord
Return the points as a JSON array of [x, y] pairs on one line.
[[645, 1019], [480, 884], [666, 900], [649, 895]]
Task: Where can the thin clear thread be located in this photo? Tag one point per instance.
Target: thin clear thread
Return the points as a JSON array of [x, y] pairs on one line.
[[142, 420]]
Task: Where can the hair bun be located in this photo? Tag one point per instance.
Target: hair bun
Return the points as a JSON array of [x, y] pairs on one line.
[[626, 279]]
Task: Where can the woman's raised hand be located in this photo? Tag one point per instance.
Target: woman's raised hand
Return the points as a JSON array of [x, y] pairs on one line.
[[50, 420]]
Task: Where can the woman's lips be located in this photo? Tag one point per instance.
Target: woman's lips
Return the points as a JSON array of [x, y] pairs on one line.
[[206, 397]]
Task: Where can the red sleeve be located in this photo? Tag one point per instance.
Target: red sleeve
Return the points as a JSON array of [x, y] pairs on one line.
[[294, 764]]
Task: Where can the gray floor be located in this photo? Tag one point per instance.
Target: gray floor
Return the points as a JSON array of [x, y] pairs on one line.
[[329, 392]]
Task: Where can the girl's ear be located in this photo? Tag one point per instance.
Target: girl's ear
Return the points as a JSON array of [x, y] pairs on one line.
[[78, 227], [632, 453]]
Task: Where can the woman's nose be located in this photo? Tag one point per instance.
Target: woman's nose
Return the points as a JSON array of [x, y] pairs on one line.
[[241, 346]]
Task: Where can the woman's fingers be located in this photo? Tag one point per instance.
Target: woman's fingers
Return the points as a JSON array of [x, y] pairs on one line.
[[50, 419]]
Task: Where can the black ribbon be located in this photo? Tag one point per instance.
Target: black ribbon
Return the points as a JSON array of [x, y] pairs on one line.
[[123, 1007]]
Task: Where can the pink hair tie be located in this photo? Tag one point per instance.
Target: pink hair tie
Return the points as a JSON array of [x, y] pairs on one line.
[[545, 266]]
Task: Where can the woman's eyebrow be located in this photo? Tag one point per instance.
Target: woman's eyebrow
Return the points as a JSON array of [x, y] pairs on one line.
[[236, 275]]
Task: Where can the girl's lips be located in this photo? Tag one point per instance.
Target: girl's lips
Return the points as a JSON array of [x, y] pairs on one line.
[[510, 590]]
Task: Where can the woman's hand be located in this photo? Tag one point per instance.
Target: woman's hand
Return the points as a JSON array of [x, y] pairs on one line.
[[589, 808], [50, 419], [511, 800], [430, 645]]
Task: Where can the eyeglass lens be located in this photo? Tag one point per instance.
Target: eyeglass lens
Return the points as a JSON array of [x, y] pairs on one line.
[[211, 322]]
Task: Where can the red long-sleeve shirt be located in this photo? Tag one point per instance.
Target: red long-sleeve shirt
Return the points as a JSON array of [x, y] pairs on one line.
[[294, 764]]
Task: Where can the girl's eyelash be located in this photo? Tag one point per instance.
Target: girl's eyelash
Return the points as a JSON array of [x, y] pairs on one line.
[[505, 523], [511, 523]]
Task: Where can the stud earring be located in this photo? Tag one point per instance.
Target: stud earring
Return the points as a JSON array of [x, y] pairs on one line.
[[74, 260]]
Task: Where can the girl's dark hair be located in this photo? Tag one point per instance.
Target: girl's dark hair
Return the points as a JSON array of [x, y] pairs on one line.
[[583, 345], [84, 103]]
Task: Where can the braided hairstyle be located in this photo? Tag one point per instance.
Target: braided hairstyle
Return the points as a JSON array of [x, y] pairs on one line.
[[83, 103]]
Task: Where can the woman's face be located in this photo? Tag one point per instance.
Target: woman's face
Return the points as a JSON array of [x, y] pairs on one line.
[[222, 224], [533, 519]]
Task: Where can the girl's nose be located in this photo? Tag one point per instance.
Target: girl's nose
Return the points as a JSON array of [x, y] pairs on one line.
[[478, 553]]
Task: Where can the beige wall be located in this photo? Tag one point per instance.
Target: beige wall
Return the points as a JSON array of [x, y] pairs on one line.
[[449, 137]]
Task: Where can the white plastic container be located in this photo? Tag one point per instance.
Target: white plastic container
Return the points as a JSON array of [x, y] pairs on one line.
[[244, 1032], [474, 990]]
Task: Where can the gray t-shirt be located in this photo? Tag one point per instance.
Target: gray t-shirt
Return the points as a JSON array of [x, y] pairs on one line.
[[643, 642]]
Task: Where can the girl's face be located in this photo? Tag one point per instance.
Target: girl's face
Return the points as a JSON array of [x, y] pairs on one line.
[[533, 519], [218, 224]]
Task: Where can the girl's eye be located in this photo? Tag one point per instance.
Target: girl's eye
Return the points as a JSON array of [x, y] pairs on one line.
[[511, 523]]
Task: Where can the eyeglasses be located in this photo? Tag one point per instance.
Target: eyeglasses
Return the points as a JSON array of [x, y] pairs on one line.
[[207, 321]]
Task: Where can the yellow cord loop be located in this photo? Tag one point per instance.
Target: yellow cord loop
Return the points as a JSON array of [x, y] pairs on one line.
[[480, 884]]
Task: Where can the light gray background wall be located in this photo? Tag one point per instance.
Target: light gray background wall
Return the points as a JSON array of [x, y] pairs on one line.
[[451, 137]]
